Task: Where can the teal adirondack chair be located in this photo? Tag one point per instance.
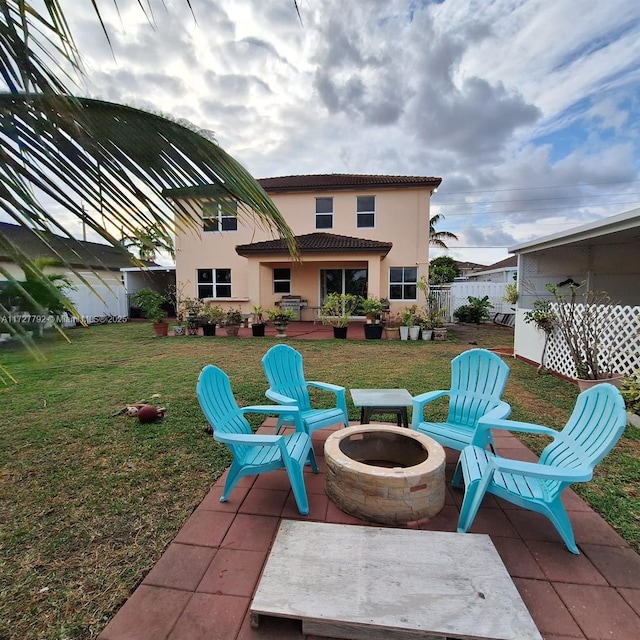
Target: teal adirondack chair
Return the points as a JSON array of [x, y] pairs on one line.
[[287, 386], [252, 453], [594, 427], [478, 378]]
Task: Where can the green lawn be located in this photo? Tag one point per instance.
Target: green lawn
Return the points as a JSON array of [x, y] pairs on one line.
[[89, 501]]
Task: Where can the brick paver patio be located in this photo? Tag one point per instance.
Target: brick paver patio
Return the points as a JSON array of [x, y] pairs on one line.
[[202, 586]]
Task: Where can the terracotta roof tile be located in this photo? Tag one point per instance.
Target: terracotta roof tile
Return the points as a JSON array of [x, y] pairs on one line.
[[339, 181], [317, 243]]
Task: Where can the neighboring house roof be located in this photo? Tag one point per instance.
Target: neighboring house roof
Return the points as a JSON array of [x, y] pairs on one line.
[[317, 243], [508, 263], [622, 228], [470, 265], [318, 182], [77, 253]]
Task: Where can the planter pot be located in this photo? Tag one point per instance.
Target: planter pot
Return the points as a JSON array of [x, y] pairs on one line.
[[281, 328], [373, 331], [414, 333], [615, 380], [392, 333], [161, 329], [427, 334], [232, 329], [404, 333], [257, 330], [178, 331], [208, 329], [340, 332], [440, 334]]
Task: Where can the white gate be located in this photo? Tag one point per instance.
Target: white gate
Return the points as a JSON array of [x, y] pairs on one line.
[[457, 294]]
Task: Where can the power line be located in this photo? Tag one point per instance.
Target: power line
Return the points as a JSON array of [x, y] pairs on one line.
[[602, 195], [526, 210], [557, 186]]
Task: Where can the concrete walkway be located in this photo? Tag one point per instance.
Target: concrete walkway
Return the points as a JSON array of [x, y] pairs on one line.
[[202, 586]]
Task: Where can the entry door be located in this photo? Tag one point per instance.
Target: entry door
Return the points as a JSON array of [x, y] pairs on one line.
[[343, 281]]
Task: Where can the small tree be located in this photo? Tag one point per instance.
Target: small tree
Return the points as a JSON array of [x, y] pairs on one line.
[[443, 269], [545, 320]]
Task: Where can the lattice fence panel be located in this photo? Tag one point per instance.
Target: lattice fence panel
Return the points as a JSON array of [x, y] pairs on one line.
[[622, 340]]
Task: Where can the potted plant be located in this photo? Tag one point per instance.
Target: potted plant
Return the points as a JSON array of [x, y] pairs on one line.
[[409, 329], [232, 322], [630, 389], [211, 315], [281, 319], [258, 325], [190, 310], [392, 327], [426, 326], [150, 303], [372, 307], [337, 311], [583, 321]]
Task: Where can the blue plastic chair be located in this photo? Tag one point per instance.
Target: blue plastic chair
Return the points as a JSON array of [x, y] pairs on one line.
[[596, 424], [252, 453], [478, 378], [287, 386]]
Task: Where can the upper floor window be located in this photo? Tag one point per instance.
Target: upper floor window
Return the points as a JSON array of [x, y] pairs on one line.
[[324, 213], [219, 216], [403, 283], [366, 211], [214, 283], [282, 281]]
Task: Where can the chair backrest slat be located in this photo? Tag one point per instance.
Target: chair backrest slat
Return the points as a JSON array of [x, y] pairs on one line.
[[285, 373], [593, 429], [220, 407], [478, 378]]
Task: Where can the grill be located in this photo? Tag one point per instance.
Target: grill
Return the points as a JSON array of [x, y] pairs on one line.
[[293, 303]]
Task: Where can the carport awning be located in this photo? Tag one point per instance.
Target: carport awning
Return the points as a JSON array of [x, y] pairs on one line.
[[317, 243]]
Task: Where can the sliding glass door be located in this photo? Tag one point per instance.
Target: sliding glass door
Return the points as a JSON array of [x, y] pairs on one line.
[[343, 281]]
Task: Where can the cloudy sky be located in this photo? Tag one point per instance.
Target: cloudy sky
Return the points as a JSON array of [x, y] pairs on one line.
[[527, 109]]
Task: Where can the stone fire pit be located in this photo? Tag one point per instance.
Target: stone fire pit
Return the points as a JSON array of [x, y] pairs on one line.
[[385, 474]]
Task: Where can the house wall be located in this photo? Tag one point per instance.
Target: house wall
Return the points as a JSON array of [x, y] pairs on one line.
[[101, 293], [402, 217], [503, 275]]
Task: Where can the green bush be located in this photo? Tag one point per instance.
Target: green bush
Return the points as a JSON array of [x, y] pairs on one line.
[[476, 311]]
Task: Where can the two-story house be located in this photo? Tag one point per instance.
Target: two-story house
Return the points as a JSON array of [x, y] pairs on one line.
[[361, 234]]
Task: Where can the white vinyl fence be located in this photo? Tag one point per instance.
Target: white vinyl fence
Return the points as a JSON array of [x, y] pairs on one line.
[[452, 296], [622, 341]]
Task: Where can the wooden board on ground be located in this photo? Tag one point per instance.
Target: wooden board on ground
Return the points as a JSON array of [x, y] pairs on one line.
[[359, 582]]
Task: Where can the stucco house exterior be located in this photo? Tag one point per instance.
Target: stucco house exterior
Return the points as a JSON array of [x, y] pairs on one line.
[[604, 255], [362, 234]]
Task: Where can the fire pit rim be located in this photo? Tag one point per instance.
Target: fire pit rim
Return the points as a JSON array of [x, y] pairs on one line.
[[435, 451]]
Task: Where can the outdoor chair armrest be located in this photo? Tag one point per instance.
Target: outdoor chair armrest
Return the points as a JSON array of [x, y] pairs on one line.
[[418, 402], [327, 386], [280, 398], [482, 435], [488, 422], [537, 470], [246, 438], [269, 408]]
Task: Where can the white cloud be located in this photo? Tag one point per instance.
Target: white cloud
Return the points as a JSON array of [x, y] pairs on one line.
[[498, 98]]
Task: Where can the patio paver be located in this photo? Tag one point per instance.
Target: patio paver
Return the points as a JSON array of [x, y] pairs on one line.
[[202, 586]]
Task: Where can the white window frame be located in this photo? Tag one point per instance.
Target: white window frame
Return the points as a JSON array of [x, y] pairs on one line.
[[214, 284], [404, 283], [216, 219], [324, 214], [281, 280], [367, 212]]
